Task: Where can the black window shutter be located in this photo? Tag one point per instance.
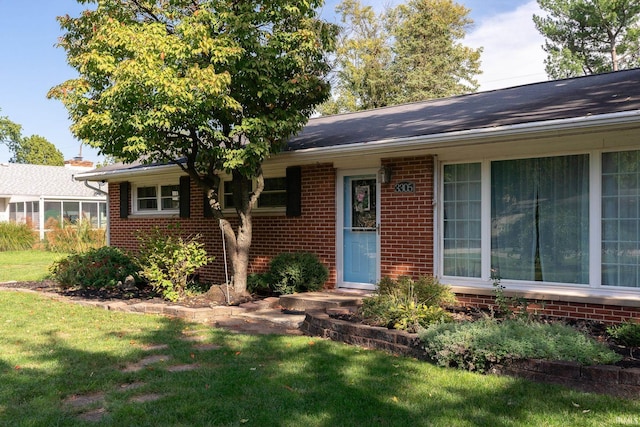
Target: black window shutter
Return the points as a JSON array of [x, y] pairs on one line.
[[294, 191], [125, 195], [185, 197]]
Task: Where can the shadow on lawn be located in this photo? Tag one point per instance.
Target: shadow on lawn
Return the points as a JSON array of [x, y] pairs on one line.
[[269, 381]]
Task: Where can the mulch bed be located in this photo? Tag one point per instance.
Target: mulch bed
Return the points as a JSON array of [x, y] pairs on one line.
[[216, 296]]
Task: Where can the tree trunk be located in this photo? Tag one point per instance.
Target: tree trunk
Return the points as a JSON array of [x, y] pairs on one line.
[[238, 243]]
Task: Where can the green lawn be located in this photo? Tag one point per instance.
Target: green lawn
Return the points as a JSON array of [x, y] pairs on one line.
[[26, 265], [60, 361]]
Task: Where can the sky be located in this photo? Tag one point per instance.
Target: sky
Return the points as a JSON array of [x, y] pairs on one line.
[[31, 64]]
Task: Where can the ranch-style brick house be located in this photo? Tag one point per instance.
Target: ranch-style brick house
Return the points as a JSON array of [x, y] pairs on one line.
[[538, 184]]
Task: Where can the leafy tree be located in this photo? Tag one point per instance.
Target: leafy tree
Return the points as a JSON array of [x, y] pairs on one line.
[[220, 84], [363, 59], [408, 53], [37, 150], [34, 149], [10, 133], [589, 36], [430, 62]]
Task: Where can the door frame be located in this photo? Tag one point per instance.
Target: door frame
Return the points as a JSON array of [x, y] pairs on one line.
[[340, 176]]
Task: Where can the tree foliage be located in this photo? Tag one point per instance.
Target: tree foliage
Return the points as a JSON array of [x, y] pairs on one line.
[[589, 36], [363, 59], [408, 53], [37, 150], [34, 149], [9, 132], [220, 84]]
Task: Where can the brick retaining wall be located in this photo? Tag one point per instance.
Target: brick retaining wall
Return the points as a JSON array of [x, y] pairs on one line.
[[607, 379]]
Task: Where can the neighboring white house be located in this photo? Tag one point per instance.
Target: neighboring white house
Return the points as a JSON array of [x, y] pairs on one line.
[[35, 193]]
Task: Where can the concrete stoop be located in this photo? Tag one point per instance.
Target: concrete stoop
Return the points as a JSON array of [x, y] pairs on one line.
[[287, 313], [321, 300]]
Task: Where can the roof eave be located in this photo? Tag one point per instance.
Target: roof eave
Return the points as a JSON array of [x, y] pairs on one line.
[[395, 145], [98, 175]]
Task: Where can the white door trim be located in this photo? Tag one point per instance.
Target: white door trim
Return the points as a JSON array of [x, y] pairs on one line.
[[340, 176]]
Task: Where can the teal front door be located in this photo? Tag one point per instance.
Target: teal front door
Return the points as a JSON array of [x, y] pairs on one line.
[[359, 231]]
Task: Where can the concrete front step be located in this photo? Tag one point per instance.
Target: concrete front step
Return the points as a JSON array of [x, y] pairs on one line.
[[320, 300], [276, 316]]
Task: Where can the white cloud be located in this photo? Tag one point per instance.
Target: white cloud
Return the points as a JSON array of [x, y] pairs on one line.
[[512, 53]]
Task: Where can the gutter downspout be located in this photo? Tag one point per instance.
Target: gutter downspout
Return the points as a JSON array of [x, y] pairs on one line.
[[99, 190]]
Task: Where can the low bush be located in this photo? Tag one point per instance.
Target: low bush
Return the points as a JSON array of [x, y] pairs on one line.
[[407, 304], [260, 284], [507, 307], [476, 346], [169, 261], [96, 268], [290, 272], [70, 237], [16, 236], [627, 333]]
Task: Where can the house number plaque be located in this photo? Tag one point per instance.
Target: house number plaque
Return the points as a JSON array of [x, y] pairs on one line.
[[405, 187]]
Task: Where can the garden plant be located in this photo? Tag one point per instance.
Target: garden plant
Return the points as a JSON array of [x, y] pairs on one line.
[[290, 272], [168, 260], [408, 304]]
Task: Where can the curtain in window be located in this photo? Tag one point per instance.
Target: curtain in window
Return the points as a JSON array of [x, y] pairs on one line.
[[540, 219], [621, 219]]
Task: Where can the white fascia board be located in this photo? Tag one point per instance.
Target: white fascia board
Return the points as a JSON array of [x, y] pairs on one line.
[[97, 175]]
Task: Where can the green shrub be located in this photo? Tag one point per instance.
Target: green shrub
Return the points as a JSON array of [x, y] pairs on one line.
[[169, 261], [16, 236], [293, 272], [70, 237], [407, 304], [507, 307], [259, 283], [475, 346], [95, 268], [627, 333]]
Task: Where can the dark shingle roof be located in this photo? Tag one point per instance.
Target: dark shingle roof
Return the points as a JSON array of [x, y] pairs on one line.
[[594, 95], [552, 100]]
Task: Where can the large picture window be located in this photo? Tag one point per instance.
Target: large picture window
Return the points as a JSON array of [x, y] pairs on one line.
[[571, 219], [540, 219]]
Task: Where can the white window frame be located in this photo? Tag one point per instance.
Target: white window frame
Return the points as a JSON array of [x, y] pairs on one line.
[[595, 230], [258, 209], [158, 197]]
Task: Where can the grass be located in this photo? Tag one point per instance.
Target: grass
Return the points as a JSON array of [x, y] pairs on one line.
[[51, 351], [29, 265]]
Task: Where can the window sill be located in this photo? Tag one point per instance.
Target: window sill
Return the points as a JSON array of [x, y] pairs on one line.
[[154, 215], [625, 297], [258, 212]]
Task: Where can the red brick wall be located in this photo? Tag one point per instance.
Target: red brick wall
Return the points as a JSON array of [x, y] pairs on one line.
[[406, 223], [571, 310], [406, 233], [314, 231]]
